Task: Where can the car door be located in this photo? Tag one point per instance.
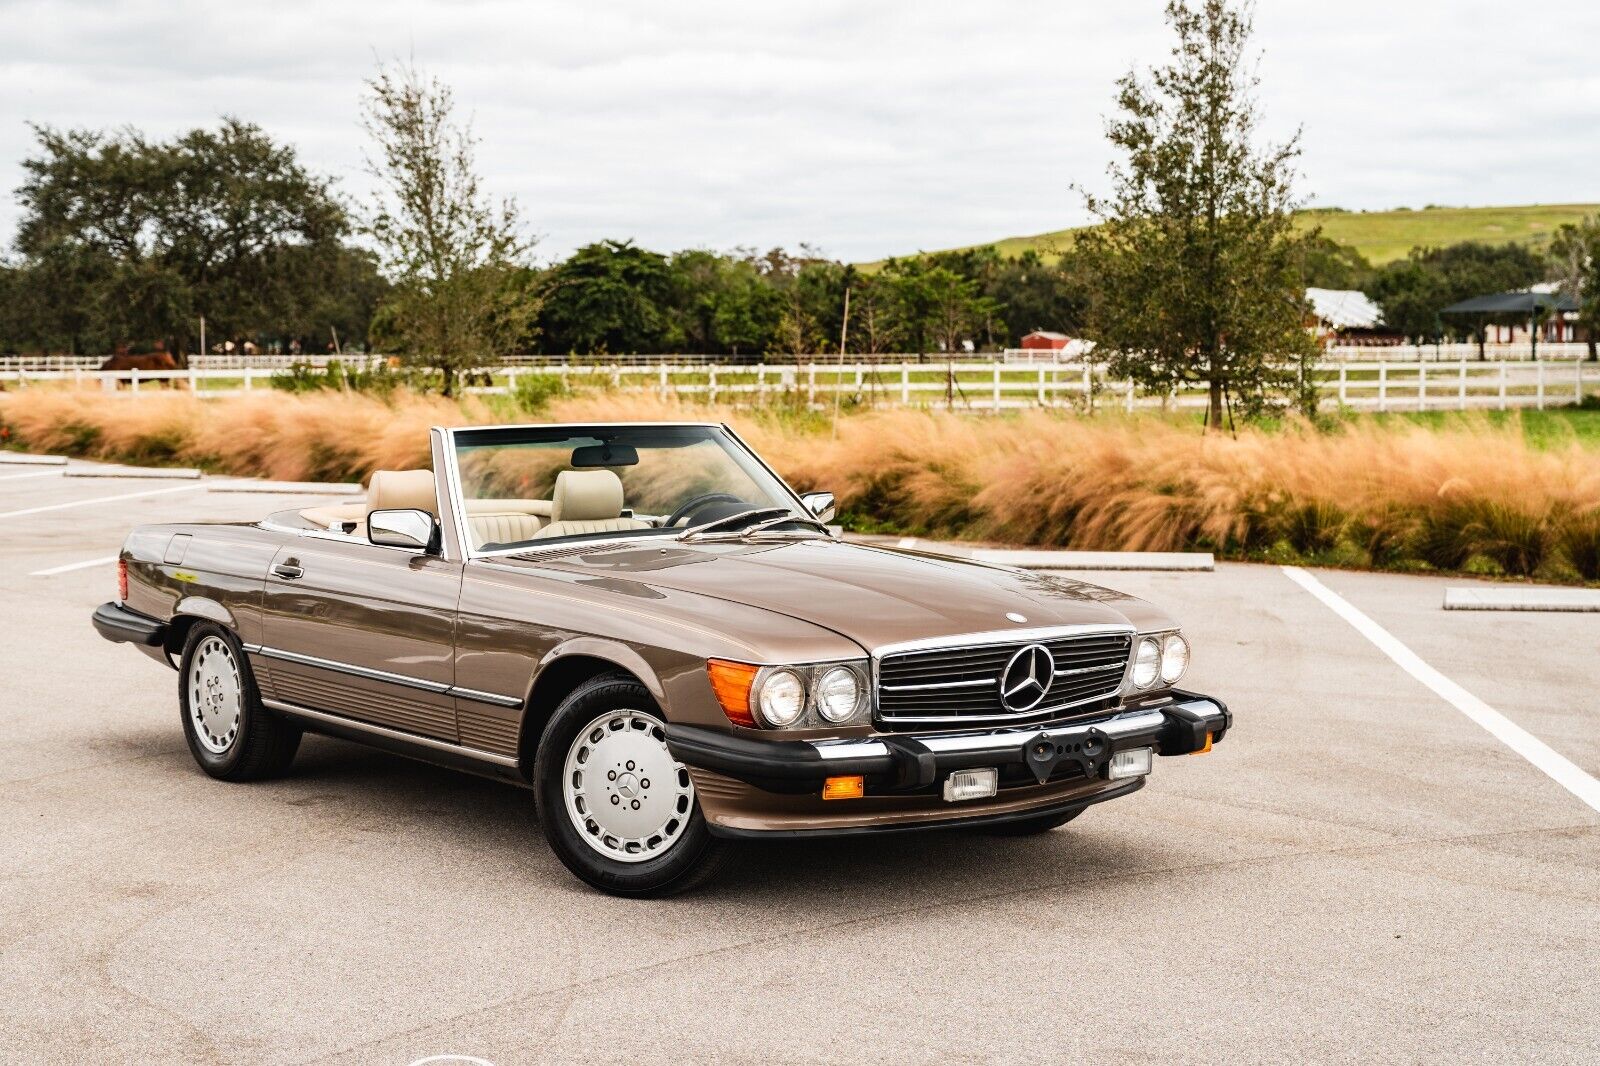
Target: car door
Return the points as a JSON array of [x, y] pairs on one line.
[[363, 631]]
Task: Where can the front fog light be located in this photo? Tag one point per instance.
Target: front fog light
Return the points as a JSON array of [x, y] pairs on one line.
[[837, 695], [1174, 658], [1135, 762], [783, 697], [1147, 663]]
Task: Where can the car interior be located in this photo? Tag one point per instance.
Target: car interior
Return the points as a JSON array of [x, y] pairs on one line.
[[583, 502]]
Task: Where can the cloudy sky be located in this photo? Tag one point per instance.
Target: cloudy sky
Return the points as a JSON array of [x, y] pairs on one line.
[[863, 127]]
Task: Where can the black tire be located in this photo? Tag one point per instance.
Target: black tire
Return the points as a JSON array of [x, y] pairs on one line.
[[261, 744], [1027, 827], [690, 860]]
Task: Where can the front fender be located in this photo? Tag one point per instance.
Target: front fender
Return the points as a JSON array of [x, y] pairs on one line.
[[610, 650]]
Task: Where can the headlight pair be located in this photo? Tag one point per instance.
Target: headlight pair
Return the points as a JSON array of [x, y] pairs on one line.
[[1164, 657], [783, 697]]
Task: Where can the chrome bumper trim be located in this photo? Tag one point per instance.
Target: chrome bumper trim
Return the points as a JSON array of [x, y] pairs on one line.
[[998, 741]]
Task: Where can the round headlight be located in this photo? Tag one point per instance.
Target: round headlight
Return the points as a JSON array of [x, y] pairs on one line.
[[837, 694], [1146, 663], [1174, 658], [783, 697]]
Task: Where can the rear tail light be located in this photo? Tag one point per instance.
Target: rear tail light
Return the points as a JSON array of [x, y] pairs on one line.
[[122, 581]]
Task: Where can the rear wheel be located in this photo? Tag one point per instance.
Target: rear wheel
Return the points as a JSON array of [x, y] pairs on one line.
[[231, 735], [1027, 827], [615, 805]]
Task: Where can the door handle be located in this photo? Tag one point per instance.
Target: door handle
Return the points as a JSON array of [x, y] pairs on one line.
[[289, 570]]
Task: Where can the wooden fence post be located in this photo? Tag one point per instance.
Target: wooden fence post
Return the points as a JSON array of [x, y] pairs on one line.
[[1422, 386], [905, 383], [1344, 384], [1539, 380], [1383, 386], [997, 386], [1503, 365], [1461, 385]]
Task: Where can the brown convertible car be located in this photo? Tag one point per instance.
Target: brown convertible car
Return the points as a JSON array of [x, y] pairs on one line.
[[643, 623]]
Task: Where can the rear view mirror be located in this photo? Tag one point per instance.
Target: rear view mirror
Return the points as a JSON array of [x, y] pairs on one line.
[[604, 454], [405, 528], [819, 504]]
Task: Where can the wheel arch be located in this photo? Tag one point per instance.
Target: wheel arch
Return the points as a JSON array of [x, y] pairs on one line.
[[561, 671], [189, 612]]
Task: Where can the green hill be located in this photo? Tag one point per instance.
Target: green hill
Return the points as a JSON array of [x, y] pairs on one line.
[[1383, 236]]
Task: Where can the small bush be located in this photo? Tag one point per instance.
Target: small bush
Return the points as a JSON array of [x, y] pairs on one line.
[[534, 393], [1580, 543]]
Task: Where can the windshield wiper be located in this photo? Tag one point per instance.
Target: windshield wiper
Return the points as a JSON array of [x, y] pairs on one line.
[[743, 516], [783, 520]]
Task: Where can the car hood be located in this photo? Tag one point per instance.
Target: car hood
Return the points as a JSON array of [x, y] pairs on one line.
[[875, 596]]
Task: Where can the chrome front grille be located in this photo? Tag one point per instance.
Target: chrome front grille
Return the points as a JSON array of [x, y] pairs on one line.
[[962, 683]]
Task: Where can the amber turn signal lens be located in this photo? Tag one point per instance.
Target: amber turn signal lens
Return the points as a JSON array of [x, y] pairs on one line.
[[730, 683], [844, 788], [1202, 751]]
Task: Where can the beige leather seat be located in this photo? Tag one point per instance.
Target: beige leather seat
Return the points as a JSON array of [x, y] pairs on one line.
[[399, 490], [502, 526], [587, 501], [387, 490]]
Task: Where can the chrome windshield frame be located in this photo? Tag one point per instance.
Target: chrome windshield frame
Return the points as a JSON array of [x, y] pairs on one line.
[[454, 489]]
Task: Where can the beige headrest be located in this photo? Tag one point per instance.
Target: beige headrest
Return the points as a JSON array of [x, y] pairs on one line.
[[586, 495], [395, 490]]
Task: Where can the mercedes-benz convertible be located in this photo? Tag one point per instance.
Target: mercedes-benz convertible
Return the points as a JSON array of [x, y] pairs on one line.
[[672, 648]]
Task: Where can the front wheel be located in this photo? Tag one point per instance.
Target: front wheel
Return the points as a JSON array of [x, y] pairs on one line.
[[615, 805]]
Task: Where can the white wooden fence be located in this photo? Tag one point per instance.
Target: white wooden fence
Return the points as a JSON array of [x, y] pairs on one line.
[[971, 385]]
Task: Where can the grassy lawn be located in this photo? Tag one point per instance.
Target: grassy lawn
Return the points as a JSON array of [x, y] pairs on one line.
[[1383, 236]]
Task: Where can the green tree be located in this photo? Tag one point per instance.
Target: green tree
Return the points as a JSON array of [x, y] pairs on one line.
[[457, 259], [1413, 291], [1198, 268], [610, 296], [1331, 265], [1575, 259], [127, 239]]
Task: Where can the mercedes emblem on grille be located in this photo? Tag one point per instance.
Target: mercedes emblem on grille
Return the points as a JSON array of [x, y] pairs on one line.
[[1026, 679]]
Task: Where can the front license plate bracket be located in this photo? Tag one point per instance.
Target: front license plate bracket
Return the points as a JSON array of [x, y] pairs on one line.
[[1044, 753]]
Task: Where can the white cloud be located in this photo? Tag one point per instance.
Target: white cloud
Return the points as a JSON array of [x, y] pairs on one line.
[[865, 128]]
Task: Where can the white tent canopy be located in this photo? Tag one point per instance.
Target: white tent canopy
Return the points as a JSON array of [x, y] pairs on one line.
[[1343, 308]]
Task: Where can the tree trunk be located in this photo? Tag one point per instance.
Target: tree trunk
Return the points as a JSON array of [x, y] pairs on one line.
[[1214, 411]]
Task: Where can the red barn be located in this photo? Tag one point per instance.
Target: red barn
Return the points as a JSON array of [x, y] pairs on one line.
[[1045, 340]]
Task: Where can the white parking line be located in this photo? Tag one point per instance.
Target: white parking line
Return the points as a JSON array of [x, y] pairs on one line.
[[97, 499], [1555, 765], [32, 473], [106, 561]]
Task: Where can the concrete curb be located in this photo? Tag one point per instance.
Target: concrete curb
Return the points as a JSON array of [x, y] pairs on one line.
[[177, 472], [32, 460], [1040, 559], [284, 488], [1071, 560], [1519, 599]]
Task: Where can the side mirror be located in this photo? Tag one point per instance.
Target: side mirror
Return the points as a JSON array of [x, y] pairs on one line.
[[406, 528], [819, 504]]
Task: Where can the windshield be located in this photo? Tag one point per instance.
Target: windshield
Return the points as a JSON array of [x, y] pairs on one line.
[[523, 487]]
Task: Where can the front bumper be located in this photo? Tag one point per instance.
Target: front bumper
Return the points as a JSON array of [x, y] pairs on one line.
[[123, 626], [1042, 760]]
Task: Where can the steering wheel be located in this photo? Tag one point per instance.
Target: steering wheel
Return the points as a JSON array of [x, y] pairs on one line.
[[689, 507]]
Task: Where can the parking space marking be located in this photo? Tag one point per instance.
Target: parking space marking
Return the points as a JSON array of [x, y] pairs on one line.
[[31, 473], [97, 499], [1557, 767], [68, 568]]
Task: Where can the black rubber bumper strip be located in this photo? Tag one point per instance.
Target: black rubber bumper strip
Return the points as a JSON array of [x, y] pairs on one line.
[[118, 624], [796, 766]]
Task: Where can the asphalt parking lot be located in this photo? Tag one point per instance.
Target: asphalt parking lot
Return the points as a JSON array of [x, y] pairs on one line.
[[1360, 873]]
